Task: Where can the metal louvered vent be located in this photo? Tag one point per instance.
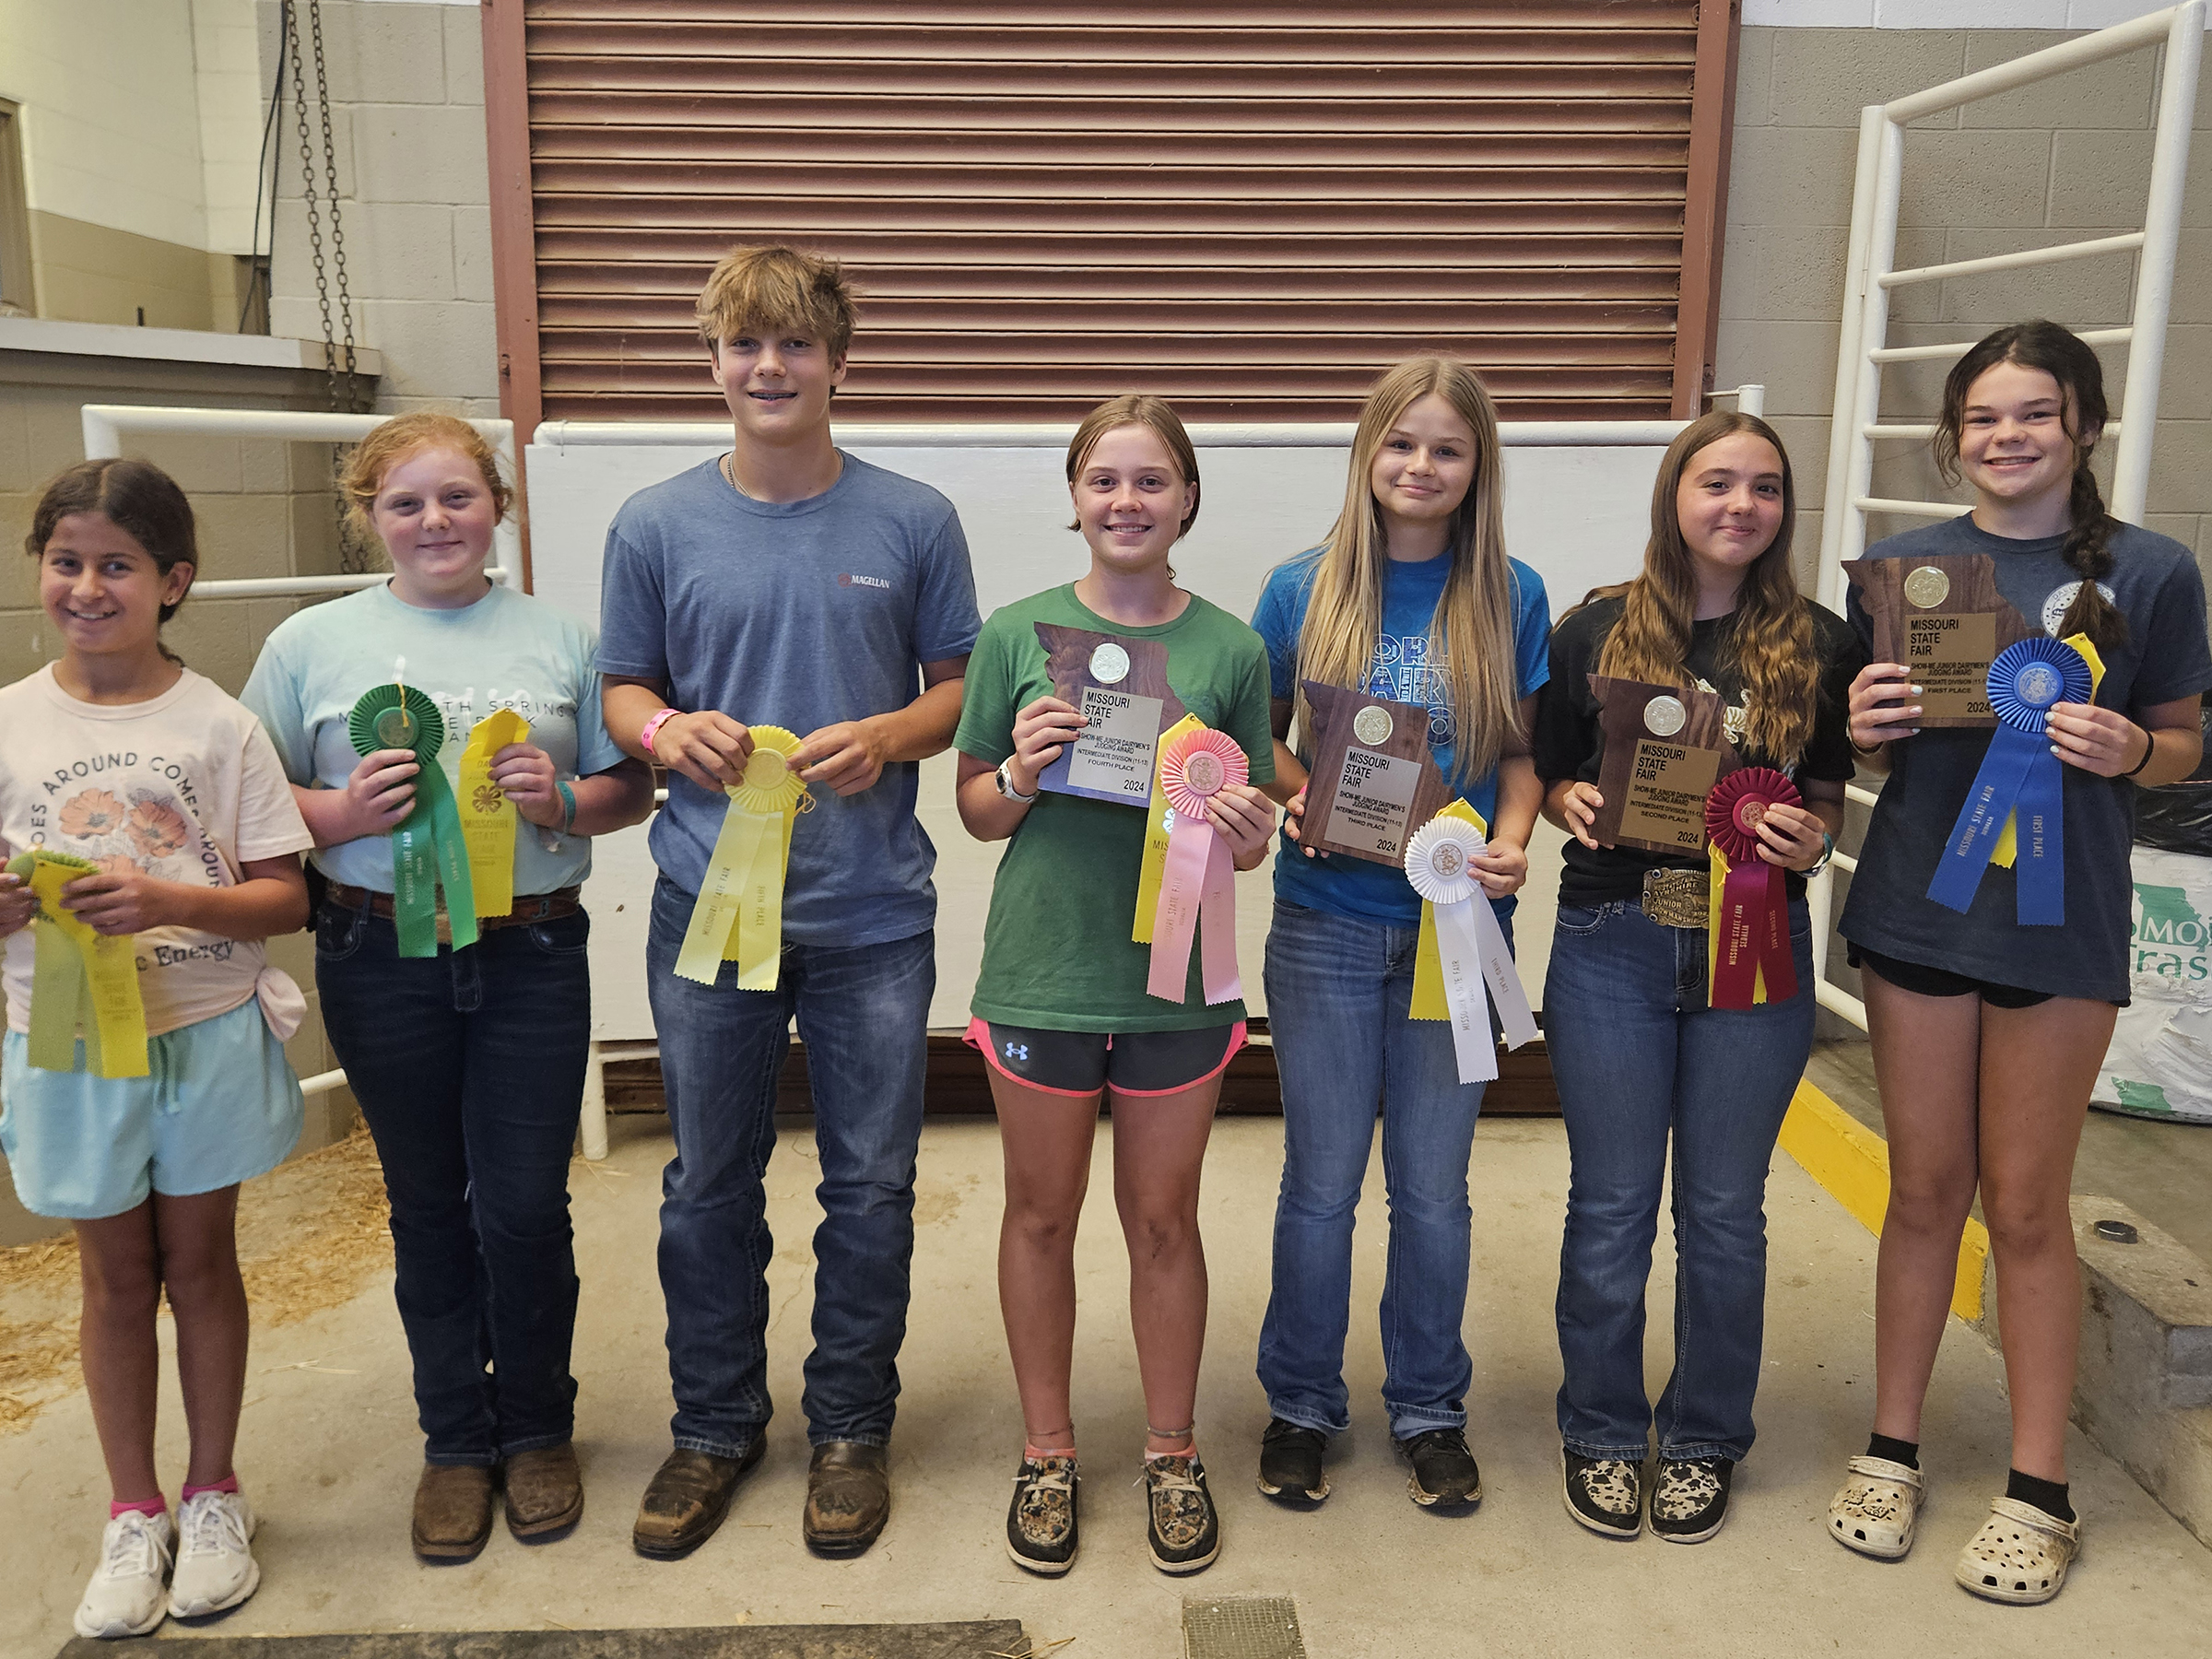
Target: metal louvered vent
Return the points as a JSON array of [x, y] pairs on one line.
[[1245, 206]]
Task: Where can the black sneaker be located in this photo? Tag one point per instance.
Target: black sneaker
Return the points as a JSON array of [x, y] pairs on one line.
[[1605, 1494], [1180, 1526], [1040, 1523], [1291, 1464], [1444, 1476], [1689, 1497]]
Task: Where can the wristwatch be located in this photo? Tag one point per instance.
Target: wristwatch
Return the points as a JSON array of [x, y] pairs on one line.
[[1005, 787]]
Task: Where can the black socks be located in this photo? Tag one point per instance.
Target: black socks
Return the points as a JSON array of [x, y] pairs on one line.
[[2050, 1496], [1895, 1451]]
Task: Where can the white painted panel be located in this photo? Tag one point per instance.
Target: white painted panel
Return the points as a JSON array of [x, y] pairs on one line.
[[1577, 516]]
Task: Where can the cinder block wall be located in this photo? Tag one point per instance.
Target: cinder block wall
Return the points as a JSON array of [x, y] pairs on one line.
[[406, 86]]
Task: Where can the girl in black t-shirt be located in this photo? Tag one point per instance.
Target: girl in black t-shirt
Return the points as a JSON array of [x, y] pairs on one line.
[[1639, 1055], [1988, 1033]]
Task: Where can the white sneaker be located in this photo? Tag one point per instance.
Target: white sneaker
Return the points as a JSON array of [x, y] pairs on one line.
[[214, 1566], [127, 1595]]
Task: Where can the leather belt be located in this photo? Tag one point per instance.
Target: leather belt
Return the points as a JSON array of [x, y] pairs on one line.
[[1678, 897], [539, 907]]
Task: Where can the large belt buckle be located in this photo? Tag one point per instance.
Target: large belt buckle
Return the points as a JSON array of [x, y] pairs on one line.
[[1677, 898]]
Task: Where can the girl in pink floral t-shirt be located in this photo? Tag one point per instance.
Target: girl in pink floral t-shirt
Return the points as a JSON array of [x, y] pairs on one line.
[[120, 758]]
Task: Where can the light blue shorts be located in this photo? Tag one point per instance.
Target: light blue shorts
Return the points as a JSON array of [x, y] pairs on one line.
[[221, 1106]]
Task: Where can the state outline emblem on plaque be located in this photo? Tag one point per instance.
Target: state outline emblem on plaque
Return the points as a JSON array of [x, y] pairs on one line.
[[1374, 781], [1120, 685], [1666, 746]]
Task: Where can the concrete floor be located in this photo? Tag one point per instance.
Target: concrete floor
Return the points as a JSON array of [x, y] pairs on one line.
[[330, 1455], [2162, 1170]]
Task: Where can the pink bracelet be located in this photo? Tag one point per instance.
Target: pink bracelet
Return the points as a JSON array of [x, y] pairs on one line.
[[651, 730]]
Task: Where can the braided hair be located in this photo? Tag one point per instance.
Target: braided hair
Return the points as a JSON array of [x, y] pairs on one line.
[[2088, 549]]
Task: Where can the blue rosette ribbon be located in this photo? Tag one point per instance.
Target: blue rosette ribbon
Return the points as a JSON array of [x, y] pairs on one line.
[[2019, 774]]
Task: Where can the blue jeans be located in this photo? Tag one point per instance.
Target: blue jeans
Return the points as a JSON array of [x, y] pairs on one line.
[[1638, 1053], [862, 1015], [469, 1069], [1337, 993]]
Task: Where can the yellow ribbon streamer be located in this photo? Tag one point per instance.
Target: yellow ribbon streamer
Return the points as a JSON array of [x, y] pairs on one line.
[[81, 981], [488, 817], [739, 914], [1156, 836], [2006, 851], [1427, 962]]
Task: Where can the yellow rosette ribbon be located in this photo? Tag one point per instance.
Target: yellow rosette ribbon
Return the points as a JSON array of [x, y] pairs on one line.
[[81, 981], [488, 817], [739, 914]]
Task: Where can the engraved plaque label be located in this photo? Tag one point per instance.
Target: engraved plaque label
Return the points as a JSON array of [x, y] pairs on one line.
[[1114, 754], [1948, 657], [1667, 786], [1373, 801]]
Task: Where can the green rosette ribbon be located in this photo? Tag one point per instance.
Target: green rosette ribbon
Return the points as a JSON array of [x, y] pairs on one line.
[[429, 850]]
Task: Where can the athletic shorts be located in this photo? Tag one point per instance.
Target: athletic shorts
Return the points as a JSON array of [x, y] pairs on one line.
[[1939, 982], [1129, 1062], [220, 1105]]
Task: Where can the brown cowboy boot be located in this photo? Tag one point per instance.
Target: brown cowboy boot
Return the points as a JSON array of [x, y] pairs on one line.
[[848, 1497]]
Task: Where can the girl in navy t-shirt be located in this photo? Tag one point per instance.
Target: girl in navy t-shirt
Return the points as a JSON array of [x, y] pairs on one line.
[[1988, 1033]]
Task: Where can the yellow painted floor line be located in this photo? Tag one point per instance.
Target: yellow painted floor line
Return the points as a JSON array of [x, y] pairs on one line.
[[1852, 1163]]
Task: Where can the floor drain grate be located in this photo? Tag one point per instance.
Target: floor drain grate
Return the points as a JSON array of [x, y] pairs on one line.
[[1242, 1627]]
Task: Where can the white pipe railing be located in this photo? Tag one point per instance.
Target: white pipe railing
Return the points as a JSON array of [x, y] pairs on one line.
[[2056, 254], [105, 425], [1870, 276]]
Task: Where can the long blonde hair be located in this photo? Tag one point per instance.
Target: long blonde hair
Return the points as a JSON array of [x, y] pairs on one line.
[[1772, 643], [1472, 631]]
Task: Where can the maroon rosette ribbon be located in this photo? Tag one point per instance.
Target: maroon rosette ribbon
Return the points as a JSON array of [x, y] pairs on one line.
[[1751, 903]]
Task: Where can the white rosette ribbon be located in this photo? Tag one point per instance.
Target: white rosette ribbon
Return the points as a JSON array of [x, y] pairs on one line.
[[1470, 946]]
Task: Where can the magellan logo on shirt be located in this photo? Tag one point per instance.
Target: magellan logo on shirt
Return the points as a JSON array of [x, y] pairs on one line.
[[866, 581]]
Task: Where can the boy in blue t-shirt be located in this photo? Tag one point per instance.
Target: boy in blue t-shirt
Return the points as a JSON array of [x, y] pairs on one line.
[[792, 584]]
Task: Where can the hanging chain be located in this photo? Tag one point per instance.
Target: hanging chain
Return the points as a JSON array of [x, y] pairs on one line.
[[343, 383]]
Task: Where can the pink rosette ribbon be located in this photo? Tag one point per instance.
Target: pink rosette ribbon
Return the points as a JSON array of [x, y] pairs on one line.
[[1750, 903], [1200, 877]]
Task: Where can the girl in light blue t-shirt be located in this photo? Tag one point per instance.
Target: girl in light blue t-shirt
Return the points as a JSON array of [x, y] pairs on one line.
[[468, 1063]]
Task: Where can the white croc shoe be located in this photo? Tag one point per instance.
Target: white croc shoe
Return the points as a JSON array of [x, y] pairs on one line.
[[1873, 1510], [129, 1592], [2021, 1554], [216, 1568]]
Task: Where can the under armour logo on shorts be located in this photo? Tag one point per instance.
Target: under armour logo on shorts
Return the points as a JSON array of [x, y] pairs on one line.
[[1018, 1051]]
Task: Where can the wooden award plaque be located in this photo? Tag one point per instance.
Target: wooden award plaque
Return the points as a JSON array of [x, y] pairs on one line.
[[1943, 618], [1375, 780], [1665, 748], [1122, 686]]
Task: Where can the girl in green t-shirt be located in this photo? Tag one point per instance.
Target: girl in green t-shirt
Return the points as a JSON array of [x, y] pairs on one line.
[[1061, 1007]]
